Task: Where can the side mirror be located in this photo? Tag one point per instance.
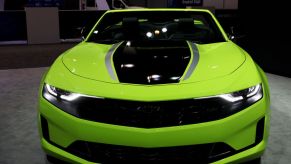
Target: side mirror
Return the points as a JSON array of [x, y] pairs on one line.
[[84, 32], [231, 37], [234, 34]]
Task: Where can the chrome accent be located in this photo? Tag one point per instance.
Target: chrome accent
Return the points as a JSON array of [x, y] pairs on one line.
[[108, 61], [195, 60]]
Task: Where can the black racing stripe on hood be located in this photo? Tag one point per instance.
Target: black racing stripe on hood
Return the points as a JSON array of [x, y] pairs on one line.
[[151, 62]]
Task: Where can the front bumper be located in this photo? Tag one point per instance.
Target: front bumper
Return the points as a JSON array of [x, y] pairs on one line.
[[241, 132]]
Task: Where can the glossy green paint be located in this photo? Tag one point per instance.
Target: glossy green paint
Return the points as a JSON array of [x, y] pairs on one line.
[[228, 81], [215, 60], [238, 127], [237, 130], [222, 68]]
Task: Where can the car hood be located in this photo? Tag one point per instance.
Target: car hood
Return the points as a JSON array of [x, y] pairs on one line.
[[205, 62]]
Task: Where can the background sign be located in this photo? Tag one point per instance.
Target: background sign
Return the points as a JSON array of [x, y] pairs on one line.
[[44, 3], [184, 3]]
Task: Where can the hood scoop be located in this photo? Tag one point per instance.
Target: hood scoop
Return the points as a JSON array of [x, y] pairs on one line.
[[151, 62]]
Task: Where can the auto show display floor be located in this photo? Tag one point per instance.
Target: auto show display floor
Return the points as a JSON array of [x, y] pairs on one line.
[[31, 56], [19, 140]]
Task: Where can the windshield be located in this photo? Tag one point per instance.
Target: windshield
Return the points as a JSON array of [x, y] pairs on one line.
[[195, 26]]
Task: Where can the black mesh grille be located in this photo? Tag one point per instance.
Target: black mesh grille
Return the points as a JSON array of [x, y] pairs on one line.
[[154, 114], [105, 153]]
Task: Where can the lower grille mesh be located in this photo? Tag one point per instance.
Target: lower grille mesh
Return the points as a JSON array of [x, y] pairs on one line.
[[105, 153]]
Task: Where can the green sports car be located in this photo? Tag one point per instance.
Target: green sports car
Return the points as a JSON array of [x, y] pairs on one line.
[[155, 85]]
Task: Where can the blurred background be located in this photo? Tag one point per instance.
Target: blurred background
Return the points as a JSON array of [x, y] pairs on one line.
[[261, 27]]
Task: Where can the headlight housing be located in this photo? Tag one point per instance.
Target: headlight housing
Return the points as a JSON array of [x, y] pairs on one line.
[[249, 95], [236, 101], [65, 100], [194, 110]]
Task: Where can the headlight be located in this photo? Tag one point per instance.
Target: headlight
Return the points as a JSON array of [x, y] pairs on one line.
[[60, 94], [251, 94], [65, 100], [234, 102]]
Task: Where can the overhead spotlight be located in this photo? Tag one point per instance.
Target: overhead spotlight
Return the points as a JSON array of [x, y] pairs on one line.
[[164, 30], [149, 34]]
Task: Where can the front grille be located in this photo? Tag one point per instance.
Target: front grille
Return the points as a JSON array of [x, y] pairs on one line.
[[154, 114], [105, 153]]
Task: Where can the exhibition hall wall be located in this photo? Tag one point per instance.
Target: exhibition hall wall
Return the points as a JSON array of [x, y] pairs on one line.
[[266, 27]]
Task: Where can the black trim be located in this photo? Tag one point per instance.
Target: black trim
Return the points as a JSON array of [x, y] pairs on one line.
[[54, 160], [260, 130], [106, 153], [44, 128], [151, 62], [156, 114]]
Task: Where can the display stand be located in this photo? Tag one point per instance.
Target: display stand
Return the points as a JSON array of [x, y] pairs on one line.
[[42, 25]]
